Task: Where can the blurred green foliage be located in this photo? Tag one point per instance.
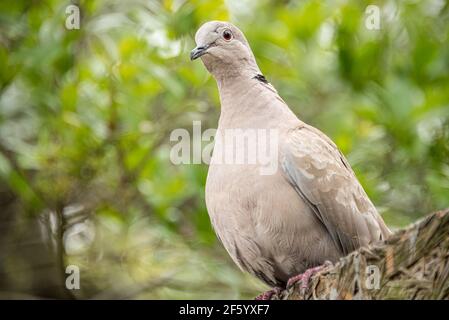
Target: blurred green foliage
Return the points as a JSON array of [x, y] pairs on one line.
[[85, 119]]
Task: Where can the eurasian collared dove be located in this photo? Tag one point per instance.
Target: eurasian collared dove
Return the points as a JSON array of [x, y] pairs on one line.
[[311, 209]]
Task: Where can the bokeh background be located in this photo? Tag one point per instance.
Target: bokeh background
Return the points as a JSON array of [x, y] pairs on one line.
[[86, 115]]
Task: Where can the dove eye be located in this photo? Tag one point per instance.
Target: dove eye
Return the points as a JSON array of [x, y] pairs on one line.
[[227, 35]]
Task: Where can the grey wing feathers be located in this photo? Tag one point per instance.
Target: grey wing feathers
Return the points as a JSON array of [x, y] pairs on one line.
[[325, 181]]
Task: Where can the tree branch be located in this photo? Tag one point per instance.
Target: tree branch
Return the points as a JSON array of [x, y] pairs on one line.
[[411, 264]]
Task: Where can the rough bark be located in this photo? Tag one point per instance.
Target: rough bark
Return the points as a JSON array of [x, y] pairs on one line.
[[411, 264]]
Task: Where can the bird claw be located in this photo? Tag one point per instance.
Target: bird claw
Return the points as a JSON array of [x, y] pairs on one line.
[[291, 282], [267, 295], [305, 277]]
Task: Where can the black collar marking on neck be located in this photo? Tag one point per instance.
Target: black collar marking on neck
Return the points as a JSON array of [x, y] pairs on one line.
[[261, 78]]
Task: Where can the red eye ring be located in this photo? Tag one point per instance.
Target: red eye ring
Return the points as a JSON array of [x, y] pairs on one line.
[[227, 35]]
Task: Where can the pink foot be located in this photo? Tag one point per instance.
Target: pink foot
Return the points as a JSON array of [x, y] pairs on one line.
[[268, 294], [291, 282], [304, 277]]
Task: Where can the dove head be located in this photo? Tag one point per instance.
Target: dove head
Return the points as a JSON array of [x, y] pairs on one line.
[[224, 50]]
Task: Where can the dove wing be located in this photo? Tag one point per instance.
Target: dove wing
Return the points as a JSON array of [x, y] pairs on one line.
[[324, 179]]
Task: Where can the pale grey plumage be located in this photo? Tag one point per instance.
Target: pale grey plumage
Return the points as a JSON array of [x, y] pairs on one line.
[[312, 209]]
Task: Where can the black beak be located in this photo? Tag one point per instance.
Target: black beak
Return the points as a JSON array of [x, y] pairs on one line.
[[198, 52]]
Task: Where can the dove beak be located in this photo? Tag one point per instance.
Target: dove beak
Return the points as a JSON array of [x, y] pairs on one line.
[[198, 52]]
